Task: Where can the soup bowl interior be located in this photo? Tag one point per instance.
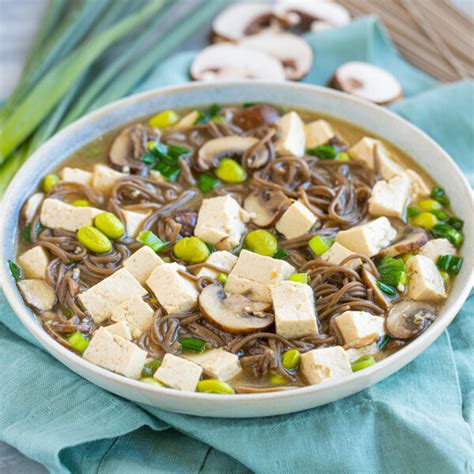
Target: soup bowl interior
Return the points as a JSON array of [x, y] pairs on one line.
[[377, 120]]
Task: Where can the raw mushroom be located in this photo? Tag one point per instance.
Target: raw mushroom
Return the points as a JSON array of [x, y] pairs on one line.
[[234, 313], [408, 319], [413, 239], [242, 19], [379, 295], [129, 146], [266, 205], [256, 116], [292, 51], [228, 61], [367, 81]]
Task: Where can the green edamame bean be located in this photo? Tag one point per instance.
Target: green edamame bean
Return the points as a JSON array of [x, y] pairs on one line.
[[49, 181], [110, 225], [93, 239], [214, 386], [261, 242], [191, 249], [230, 171], [290, 359]]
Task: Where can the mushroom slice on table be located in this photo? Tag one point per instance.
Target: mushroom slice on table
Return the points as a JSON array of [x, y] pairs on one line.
[[256, 116], [380, 297], [229, 61], [242, 19], [413, 239], [407, 319], [234, 313], [292, 51], [266, 205], [367, 81]]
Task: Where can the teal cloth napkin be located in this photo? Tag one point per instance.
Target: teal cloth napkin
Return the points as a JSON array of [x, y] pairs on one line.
[[418, 420]]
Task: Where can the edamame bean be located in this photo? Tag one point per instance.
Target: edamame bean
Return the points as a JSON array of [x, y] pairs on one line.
[[93, 239], [214, 386], [110, 225], [425, 220], [290, 359], [164, 119], [81, 203], [151, 381], [191, 249], [429, 205], [230, 171], [261, 242], [222, 278], [300, 278], [49, 181], [276, 379]]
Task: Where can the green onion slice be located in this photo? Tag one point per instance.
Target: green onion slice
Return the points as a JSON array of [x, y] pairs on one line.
[[207, 183], [280, 254], [392, 271], [382, 342], [362, 363], [387, 289], [447, 232], [148, 238], [320, 245], [449, 263], [456, 222], [15, 270], [150, 368], [192, 344], [413, 211], [440, 215], [439, 194], [323, 152], [300, 278], [78, 341]]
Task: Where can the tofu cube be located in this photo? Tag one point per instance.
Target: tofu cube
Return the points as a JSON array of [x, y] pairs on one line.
[[296, 220], [221, 219], [437, 247], [173, 291], [389, 198], [38, 294], [101, 299], [418, 188], [76, 175], [115, 353], [356, 324], [178, 373], [253, 290], [31, 206], [337, 253], [135, 313], [318, 133], [56, 214], [34, 262], [119, 329], [142, 262], [295, 313], [223, 260], [219, 363], [104, 178], [425, 283], [134, 222], [292, 135], [321, 365], [368, 239], [364, 151]]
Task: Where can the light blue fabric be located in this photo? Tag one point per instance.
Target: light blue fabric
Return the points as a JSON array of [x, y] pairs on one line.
[[419, 420]]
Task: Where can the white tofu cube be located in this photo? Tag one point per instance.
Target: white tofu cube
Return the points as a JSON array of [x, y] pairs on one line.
[[219, 363], [364, 151], [356, 324], [418, 188], [337, 253], [116, 354], [368, 239], [425, 283], [76, 175], [178, 373], [38, 294], [321, 365], [134, 222], [142, 262], [318, 133], [223, 260], [173, 291], [292, 135], [34, 262], [389, 198], [437, 247], [136, 313], [101, 299], [104, 178], [56, 214], [295, 313], [221, 219], [251, 289], [296, 220], [119, 329], [32, 205]]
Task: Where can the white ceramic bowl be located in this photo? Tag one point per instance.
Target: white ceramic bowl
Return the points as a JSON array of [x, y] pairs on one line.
[[375, 119]]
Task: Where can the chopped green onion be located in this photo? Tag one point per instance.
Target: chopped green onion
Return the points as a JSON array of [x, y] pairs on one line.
[[449, 263], [392, 271], [49, 182], [300, 278], [164, 158], [447, 232], [207, 183], [343, 156], [456, 222], [78, 341], [440, 215], [148, 238], [413, 211], [444, 276], [440, 195], [383, 341], [150, 368], [246, 105], [280, 254], [214, 109], [323, 152], [222, 278], [192, 344], [211, 247], [387, 289], [362, 363], [320, 245], [27, 231], [208, 115], [15, 270], [175, 151], [169, 172], [149, 158], [290, 359]]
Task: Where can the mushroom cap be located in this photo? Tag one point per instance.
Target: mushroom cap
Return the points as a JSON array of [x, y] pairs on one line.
[[227, 61], [413, 239], [256, 116], [367, 81], [292, 51], [379, 295], [407, 319], [267, 205], [242, 19], [234, 313]]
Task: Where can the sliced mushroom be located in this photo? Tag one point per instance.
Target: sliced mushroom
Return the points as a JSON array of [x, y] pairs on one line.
[[379, 295], [37, 294], [235, 313], [256, 116], [413, 239], [242, 19], [187, 221], [367, 81], [292, 51], [187, 121], [227, 61], [408, 319], [31, 206], [129, 146], [267, 205]]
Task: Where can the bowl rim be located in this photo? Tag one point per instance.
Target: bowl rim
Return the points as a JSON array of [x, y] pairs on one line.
[[398, 359]]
